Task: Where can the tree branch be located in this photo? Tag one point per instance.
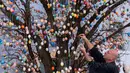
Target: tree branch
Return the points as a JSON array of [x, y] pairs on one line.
[[48, 11], [10, 15], [120, 29], [90, 34]]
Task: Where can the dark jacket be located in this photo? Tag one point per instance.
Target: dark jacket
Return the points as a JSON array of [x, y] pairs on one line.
[[99, 65]]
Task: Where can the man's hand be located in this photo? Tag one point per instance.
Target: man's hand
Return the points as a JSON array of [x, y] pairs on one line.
[[82, 36], [88, 43]]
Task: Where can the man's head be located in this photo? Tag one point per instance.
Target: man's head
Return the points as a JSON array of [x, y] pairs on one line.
[[111, 55]]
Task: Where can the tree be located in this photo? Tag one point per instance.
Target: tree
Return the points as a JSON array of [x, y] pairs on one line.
[[58, 29]]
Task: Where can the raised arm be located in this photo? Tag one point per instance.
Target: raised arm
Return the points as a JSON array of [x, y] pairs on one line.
[[93, 51], [88, 43], [86, 55]]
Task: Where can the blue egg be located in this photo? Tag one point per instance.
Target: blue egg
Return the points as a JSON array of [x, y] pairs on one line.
[[24, 51], [94, 5], [2, 62], [61, 5], [104, 40], [53, 44], [97, 17], [91, 25], [83, 19], [17, 18], [128, 34], [66, 3], [12, 0], [1, 42]]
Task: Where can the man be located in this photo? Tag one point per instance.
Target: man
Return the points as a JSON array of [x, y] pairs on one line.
[[97, 62]]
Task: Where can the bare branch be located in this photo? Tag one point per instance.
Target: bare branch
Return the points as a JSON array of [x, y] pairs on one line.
[[48, 11], [119, 30], [10, 15], [90, 34]]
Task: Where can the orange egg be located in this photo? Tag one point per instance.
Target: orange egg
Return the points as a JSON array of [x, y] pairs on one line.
[[51, 30], [52, 68], [77, 16], [22, 26], [33, 0], [117, 13], [53, 40], [16, 71], [10, 2], [49, 5], [74, 0]]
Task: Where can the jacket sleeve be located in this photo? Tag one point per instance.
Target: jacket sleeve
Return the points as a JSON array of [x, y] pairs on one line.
[[97, 55]]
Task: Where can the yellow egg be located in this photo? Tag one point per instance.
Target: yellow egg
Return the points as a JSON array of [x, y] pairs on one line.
[[29, 41], [2, 6], [104, 0], [49, 5], [75, 15]]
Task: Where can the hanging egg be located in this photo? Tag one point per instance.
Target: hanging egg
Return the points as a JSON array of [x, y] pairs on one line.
[[70, 17], [12, 0], [74, 52], [70, 67], [2, 61], [49, 5], [51, 30], [117, 13], [40, 47], [1, 42], [24, 51], [57, 47], [105, 0], [53, 44], [68, 24], [29, 36], [29, 41], [66, 68], [29, 69], [76, 16], [58, 52], [11, 24], [84, 11], [42, 43], [58, 72], [42, 20], [16, 71], [62, 64], [12, 10], [52, 68], [22, 26], [62, 71], [47, 49], [65, 51], [64, 26], [17, 18], [2, 6]]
